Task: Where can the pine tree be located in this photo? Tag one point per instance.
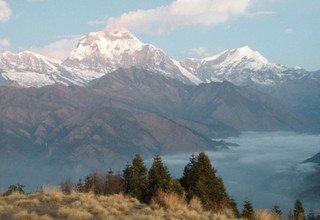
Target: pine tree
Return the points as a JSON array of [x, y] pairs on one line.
[[298, 212], [234, 207], [199, 180], [188, 179], [247, 211], [276, 210], [158, 177], [88, 184], [80, 186], [135, 179]]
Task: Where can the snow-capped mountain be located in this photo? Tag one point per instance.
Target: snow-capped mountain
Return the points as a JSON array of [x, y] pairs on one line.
[[240, 66], [28, 69], [104, 52], [100, 53]]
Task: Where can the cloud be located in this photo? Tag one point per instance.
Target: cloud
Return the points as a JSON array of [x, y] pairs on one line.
[[4, 43], [59, 49], [180, 14], [288, 31], [262, 13], [97, 22], [198, 52], [5, 11]]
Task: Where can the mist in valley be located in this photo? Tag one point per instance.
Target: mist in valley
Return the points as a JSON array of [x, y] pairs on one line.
[[266, 168]]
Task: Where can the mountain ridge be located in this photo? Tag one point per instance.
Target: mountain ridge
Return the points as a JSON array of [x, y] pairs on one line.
[[78, 129], [100, 53]]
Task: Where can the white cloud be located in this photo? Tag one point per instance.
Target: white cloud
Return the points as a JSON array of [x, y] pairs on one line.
[[4, 44], [5, 11], [59, 49], [262, 13], [288, 31], [97, 22], [198, 52], [180, 14]]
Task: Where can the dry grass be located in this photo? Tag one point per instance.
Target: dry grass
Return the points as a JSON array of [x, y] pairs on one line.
[[52, 204], [27, 202], [265, 215]]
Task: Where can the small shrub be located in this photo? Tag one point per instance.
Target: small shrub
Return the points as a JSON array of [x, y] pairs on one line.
[[67, 186], [17, 188]]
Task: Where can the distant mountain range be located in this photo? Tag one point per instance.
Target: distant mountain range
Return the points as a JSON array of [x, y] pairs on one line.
[[103, 52], [115, 96]]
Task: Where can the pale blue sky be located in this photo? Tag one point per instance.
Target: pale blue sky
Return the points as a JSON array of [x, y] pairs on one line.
[[284, 31]]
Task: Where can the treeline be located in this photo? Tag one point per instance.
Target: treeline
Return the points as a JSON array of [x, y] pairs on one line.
[[199, 181]]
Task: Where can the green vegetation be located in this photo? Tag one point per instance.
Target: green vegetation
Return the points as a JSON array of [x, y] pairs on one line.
[[139, 193], [276, 210], [298, 212], [247, 211], [199, 180], [135, 180], [17, 188]]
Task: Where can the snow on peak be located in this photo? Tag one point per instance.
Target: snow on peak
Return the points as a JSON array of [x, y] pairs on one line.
[[235, 65], [108, 44], [26, 60], [243, 57], [251, 54]]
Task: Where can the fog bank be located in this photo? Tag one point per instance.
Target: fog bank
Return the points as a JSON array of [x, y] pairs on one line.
[[266, 168]]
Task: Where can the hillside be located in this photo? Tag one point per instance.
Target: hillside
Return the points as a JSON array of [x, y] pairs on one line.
[[129, 111], [52, 205]]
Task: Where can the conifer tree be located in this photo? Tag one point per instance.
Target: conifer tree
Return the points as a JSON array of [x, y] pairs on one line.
[[188, 179], [234, 207], [80, 186], [135, 179], [247, 211], [199, 180], [298, 212], [158, 177], [276, 210]]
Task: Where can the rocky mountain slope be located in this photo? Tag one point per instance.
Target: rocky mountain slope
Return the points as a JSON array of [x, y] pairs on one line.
[[313, 159], [130, 111], [77, 130], [100, 53], [214, 104], [115, 96]]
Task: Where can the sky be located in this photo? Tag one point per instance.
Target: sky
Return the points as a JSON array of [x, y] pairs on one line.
[[284, 31]]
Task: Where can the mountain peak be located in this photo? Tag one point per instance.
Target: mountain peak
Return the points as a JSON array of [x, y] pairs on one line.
[[245, 54], [120, 33], [246, 49], [110, 44]]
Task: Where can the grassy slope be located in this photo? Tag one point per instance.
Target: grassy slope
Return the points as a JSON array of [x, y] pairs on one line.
[[56, 205]]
